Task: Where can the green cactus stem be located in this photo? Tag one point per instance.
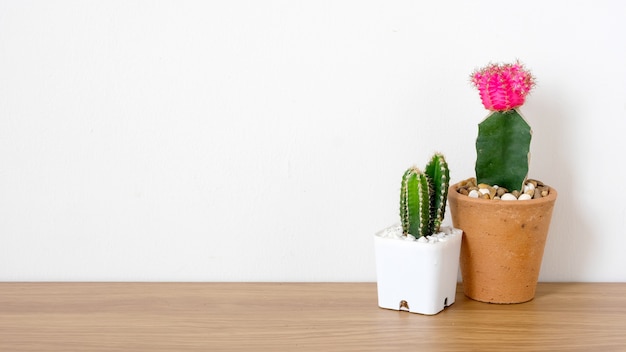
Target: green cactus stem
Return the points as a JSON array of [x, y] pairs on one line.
[[502, 149], [439, 177], [415, 203]]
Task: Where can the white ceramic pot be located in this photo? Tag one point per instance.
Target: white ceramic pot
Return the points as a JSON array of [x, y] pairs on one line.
[[416, 276]]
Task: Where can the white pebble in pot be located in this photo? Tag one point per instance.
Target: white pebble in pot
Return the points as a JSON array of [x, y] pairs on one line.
[[508, 196]]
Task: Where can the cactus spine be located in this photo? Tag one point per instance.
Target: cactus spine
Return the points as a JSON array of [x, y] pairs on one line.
[[502, 150], [423, 198]]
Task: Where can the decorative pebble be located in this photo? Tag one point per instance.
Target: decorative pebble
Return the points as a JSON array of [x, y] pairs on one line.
[[508, 196], [529, 186], [532, 189], [395, 232]]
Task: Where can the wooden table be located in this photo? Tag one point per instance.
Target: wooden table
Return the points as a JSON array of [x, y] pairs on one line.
[[299, 316]]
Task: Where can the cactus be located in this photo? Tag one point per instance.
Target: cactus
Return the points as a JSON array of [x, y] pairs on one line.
[[415, 203], [423, 197], [439, 175], [503, 142], [502, 150]]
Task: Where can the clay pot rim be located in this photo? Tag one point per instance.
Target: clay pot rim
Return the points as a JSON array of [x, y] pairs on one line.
[[502, 203]]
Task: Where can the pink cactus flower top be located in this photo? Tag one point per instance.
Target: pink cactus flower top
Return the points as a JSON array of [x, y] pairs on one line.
[[503, 86]]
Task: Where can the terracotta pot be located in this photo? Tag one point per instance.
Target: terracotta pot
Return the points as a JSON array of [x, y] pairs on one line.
[[502, 245]]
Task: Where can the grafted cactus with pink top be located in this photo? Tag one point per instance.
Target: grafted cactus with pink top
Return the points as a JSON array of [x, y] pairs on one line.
[[503, 143], [503, 87]]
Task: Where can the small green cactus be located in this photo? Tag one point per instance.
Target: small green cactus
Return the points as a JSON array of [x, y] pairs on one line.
[[502, 150], [423, 197], [415, 203], [439, 175]]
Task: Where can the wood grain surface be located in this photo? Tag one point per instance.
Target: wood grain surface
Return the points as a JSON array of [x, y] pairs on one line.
[[299, 317]]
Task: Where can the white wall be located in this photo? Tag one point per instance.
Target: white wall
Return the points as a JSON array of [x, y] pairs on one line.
[[265, 140]]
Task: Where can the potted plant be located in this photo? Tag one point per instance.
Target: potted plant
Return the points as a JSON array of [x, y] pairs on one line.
[[504, 215], [417, 261]]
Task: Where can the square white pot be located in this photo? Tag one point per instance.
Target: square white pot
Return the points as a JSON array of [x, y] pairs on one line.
[[420, 277]]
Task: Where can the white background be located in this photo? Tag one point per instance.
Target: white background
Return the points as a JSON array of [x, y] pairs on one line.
[[265, 140]]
